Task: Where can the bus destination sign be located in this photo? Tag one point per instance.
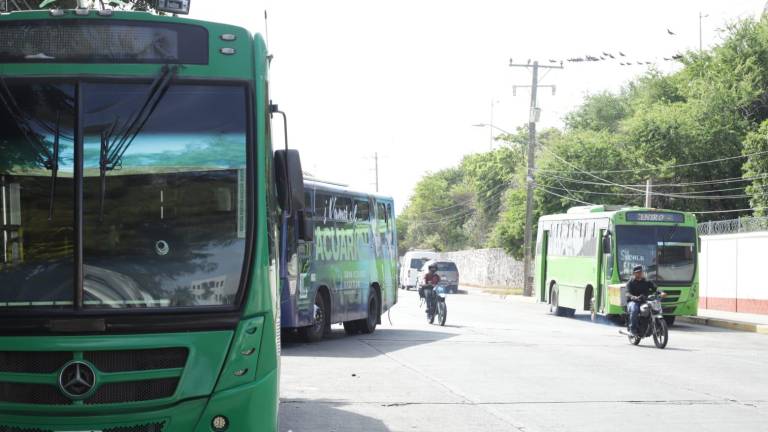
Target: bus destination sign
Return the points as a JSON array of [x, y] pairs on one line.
[[649, 216]]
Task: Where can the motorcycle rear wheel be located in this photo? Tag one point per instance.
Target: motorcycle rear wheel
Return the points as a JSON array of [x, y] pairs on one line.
[[661, 334]]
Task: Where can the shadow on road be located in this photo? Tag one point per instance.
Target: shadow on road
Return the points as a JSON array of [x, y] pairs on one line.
[[304, 415], [383, 341]]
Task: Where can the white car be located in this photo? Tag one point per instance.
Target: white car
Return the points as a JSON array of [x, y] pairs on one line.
[[410, 264]]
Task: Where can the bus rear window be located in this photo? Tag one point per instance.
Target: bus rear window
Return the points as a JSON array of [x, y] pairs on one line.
[[109, 41]]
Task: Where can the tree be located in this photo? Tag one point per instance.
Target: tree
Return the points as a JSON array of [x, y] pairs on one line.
[[756, 167]]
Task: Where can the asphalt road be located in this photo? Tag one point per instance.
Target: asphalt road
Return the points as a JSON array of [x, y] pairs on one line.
[[506, 365]]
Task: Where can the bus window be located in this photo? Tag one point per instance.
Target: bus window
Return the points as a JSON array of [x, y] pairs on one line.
[[363, 210]]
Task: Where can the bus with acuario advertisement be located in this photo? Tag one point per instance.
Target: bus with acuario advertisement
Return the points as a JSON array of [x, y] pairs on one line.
[[585, 257], [347, 273]]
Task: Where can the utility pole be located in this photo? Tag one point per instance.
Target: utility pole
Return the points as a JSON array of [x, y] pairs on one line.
[[376, 169], [648, 186], [530, 179]]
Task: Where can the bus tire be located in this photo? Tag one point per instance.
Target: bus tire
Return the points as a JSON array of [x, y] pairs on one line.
[[367, 325], [351, 327], [316, 332], [554, 304], [670, 319]]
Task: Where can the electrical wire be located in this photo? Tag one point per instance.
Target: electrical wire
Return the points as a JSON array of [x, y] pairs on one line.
[[660, 167]]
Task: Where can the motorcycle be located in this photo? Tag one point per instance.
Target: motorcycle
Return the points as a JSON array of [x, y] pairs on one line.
[[650, 323], [436, 307]]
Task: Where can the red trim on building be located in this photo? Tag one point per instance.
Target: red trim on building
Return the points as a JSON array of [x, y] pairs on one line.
[[754, 306]]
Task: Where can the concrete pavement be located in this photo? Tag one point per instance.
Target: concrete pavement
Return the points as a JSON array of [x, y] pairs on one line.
[[506, 365]]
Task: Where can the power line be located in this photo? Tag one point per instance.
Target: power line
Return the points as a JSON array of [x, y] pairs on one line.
[[659, 167], [697, 183], [543, 189], [469, 201]]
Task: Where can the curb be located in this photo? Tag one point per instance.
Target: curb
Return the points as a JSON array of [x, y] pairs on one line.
[[726, 324]]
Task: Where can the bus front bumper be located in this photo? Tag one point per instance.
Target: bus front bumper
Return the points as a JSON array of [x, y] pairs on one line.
[[249, 407]]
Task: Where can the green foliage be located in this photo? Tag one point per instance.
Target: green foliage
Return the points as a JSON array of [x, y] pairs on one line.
[[757, 166]]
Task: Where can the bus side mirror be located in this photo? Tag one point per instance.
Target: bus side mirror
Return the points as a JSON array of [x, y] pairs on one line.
[[607, 243], [306, 227], [290, 180], [698, 245]]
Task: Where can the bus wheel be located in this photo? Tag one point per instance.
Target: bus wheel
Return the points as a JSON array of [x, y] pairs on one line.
[[554, 305], [316, 331], [368, 324], [351, 327], [670, 319]]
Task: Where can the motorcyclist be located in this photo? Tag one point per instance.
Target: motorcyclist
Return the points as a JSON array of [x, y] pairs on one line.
[[431, 279], [638, 290]]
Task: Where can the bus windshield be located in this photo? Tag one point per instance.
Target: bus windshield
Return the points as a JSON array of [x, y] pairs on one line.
[[164, 214], [666, 252]]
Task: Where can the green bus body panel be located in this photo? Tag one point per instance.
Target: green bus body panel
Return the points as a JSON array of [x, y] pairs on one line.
[[573, 274], [207, 351], [244, 406], [211, 383]]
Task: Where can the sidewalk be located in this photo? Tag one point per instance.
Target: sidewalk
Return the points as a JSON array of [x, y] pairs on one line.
[[755, 323]]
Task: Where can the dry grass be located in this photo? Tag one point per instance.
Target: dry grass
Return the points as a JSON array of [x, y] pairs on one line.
[[503, 291]]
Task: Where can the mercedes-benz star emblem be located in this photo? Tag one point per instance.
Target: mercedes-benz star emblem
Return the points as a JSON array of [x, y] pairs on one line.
[[77, 379]]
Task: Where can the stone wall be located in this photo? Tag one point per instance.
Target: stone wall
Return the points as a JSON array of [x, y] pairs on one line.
[[486, 268]]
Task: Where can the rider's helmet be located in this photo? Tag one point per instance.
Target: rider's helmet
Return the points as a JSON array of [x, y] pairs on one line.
[[433, 267], [637, 268]]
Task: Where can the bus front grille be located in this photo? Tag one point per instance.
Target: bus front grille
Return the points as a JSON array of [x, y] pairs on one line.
[[24, 393], [137, 360], [33, 361], [44, 368], [134, 391], [150, 427]]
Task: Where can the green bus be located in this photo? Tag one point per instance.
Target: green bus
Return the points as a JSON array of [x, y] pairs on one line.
[[585, 257], [142, 208], [348, 273]]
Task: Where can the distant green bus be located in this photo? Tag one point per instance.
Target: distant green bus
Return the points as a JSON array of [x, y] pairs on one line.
[[141, 215], [585, 256], [348, 273]]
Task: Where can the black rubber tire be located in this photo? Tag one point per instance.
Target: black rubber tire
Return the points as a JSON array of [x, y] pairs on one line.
[[351, 327], [368, 324], [442, 313], [316, 332], [670, 319], [634, 340], [661, 335]]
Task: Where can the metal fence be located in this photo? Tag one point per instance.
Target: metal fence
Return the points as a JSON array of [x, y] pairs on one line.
[[733, 226]]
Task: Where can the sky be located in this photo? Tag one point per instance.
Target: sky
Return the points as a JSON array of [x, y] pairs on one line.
[[409, 79]]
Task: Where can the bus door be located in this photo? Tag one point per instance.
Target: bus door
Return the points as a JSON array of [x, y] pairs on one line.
[[605, 269], [542, 256], [303, 270]]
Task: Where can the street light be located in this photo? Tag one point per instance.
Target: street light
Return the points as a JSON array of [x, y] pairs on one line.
[[492, 126]]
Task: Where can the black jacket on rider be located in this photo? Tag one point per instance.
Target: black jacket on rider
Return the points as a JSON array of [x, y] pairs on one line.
[[642, 287]]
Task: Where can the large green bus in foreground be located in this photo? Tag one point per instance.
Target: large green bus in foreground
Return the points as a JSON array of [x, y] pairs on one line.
[[585, 257], [141, 208]]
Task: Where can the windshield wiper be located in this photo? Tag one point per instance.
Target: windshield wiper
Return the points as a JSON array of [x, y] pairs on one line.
[[113, 150]]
